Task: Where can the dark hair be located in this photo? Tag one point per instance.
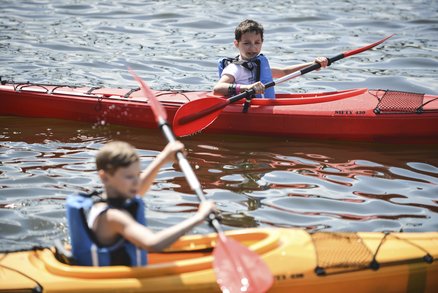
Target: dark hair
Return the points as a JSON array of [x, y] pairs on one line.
[[248, 25], [114, 155]]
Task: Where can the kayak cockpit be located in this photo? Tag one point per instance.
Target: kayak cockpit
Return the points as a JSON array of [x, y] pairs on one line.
[[304, 98], [189, 254]]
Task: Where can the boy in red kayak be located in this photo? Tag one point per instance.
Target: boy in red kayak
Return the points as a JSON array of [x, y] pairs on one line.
[[250, 69], [110, 230]]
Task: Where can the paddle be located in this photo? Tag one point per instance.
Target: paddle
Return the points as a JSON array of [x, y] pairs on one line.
[[198, 114], [237, 268]]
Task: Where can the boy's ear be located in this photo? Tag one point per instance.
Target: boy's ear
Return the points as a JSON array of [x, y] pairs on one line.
[[103, 175], [236, 43]]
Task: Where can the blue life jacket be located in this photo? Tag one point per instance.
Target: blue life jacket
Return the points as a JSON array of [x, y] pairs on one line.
[[85, 248], [260, 64]]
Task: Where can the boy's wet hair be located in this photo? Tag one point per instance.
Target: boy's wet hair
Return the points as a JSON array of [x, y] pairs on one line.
[[114, 155], [247, 26]]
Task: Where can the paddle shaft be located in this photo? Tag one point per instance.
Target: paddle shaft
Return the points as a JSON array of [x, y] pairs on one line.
[[250, 92], [238, 276], [196, 187], [303, 71], [189, 173], [313, 67], [161, 118]]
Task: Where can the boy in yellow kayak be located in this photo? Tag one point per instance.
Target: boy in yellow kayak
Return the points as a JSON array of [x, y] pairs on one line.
[[250, 69], [111, 229]]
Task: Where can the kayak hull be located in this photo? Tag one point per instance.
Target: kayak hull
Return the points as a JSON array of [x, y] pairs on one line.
[[300, 262], [341, 115]]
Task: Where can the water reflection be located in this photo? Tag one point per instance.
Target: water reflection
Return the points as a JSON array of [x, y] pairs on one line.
[[314, 185]]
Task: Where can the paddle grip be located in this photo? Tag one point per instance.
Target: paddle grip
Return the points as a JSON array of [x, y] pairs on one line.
[[335, 58], [318, 66], [249, 93], [212, 219], [269, 84], [310, 68]]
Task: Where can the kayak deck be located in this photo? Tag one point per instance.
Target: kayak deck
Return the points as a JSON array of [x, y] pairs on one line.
[[324, 261], [355, 114]]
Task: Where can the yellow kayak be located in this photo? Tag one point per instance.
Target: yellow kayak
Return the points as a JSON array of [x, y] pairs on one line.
[[299, 261]]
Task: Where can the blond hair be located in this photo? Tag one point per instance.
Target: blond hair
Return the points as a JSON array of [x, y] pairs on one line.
[[114, 155]]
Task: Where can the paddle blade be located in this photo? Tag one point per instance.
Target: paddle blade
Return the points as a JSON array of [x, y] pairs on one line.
[[197, 115], [156, 106], [239, 269], [360, 50]]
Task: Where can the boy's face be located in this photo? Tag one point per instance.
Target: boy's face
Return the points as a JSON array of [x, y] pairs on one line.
[[124, 181], [250, 45]]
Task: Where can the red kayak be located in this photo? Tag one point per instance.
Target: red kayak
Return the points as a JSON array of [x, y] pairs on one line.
[[356, 114]]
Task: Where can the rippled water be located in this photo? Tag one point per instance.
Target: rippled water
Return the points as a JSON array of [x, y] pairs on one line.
[[316, 185]]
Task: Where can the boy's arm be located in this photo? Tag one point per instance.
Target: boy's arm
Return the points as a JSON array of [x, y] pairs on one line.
[[221, 88], [147, 177], [280, 72], [139, 235]]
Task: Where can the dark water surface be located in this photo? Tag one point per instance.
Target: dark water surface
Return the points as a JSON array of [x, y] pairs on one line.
[[256, 181]]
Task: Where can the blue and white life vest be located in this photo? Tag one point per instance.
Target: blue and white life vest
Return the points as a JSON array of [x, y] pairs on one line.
[[85, 247], [260, 64]]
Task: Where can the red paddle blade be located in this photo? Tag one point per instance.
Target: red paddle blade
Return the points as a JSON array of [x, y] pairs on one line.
[[156, 106], [197, 115], [360, 50], [239, 269]]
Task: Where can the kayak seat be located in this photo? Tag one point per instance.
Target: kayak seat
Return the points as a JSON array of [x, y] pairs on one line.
[[62, 254]]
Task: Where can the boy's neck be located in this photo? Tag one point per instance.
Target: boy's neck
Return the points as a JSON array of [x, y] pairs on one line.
[[111, 193], [114, 199], [249, 60]]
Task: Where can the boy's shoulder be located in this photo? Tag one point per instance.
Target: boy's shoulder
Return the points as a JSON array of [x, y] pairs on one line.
[[83, 200]]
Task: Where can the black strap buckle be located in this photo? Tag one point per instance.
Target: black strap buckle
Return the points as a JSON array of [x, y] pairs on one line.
[[247, 104]]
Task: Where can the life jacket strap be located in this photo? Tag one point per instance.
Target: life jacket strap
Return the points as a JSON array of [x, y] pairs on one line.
[[246, 104]]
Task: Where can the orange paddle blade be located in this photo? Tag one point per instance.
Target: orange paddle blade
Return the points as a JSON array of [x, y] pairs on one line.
[[156, 106], [360, 50], [197, 115], [239, 269]]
